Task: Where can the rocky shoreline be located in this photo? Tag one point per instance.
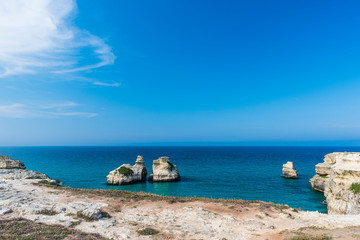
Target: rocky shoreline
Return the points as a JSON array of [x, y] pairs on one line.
[[117, 214]]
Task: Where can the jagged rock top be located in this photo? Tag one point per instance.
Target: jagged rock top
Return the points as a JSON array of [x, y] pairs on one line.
[[8, 163]]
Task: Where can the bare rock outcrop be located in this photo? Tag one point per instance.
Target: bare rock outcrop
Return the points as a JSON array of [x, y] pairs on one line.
[[289, 171], [8, 163], [164, 171], [339, 178], [342, 191], [127, 174], [322, 176]]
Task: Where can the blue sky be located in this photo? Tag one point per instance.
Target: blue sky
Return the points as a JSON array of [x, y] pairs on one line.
[[112, 72]]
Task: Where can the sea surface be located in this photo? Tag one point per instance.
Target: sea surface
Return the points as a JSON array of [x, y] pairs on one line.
[[249, 173]]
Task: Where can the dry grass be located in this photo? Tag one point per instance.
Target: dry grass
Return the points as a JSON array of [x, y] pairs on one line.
[[21, 229]]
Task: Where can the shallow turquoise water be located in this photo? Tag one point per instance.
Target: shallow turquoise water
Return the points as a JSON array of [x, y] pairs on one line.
[[250, 173]]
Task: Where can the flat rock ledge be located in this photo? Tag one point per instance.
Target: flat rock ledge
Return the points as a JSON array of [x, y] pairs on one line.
[[127, 174], [8, 163], [289, 171], [164, 171]]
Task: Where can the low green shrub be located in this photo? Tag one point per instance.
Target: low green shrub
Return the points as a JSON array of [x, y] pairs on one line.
[[126, 171], [148, 231], [355, 188]]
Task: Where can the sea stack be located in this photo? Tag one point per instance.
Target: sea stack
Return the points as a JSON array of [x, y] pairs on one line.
[[8, 163], [289, 171], [127, 174], [164, 171]]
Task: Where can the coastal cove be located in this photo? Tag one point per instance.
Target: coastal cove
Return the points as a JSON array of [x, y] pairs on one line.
[[248, 173]]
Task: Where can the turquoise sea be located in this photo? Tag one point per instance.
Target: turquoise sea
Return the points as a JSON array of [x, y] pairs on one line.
[[250, 173]]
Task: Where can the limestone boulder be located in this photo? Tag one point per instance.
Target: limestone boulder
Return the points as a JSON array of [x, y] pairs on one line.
[[289, 171], [164, 171], [8, 163], [127, 174]]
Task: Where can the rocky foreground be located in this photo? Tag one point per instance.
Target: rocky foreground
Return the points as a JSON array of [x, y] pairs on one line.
[[113, 214]]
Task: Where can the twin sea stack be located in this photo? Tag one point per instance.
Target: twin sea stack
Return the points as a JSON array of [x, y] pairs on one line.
[[163, 171]]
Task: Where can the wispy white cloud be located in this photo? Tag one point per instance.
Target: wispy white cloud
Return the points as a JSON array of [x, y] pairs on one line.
[[17, 110], [81, 114], [106, 84], [39, 36]]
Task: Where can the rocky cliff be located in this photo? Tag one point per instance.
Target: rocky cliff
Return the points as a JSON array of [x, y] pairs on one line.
[[339, 178], [8, 163], [164, 171], [127, 174], [322, 176]]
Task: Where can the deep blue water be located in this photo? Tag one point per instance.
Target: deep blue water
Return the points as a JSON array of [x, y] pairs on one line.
[[250, 173]]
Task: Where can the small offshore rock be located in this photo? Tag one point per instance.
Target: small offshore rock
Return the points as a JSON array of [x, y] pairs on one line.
[[127, 174], [8, 163], [164, 171], [289, 171]]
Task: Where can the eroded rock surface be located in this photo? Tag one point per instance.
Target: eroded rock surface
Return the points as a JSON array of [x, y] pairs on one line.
[[164, 171], [289, 171], [334, 177], [127, 174], [322, 177], [8, 163], [345, 172]]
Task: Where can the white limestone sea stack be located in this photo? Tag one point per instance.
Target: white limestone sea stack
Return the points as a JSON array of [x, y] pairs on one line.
[[342, 182], [164, 171], [127, 174], [289, 171]]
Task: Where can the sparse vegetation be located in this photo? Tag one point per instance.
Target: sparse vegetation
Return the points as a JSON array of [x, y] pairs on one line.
[[84, 217], [148, 231], [48, 212], [47, 183], [355, 188], [125, 171], [21, 229], [305, 236]]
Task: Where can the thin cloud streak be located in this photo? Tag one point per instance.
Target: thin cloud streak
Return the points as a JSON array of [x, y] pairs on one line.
[[38, 36], [17, 110], [114, 84]]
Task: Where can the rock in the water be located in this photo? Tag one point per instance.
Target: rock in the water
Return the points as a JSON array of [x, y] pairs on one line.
[[127, 174], [8, 163], [342, 191], [289, 171], [164, 171]]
